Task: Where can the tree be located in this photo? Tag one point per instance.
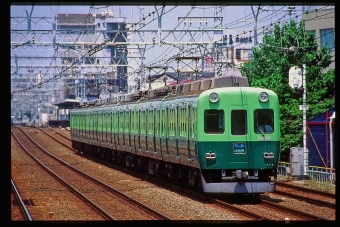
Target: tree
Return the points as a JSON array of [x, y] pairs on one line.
[[290, 45]]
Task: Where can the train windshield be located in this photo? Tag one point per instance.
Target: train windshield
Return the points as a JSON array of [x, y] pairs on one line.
[[264, 121], [214, 121], [238, 122]]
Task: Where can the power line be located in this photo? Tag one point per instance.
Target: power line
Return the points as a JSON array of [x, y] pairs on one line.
[[101, 46]]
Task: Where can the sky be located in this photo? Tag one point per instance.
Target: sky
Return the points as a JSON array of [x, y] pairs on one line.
[[231, 14], [236, 19]]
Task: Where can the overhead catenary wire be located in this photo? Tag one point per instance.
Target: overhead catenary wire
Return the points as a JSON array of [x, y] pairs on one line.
[[260, 33], [183, 52], [90, 52]]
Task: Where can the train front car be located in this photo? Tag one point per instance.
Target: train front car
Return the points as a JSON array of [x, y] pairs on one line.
[[238, 140]]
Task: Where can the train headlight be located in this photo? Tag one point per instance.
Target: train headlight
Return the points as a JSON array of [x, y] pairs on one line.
[[213, 97], [263, 97]]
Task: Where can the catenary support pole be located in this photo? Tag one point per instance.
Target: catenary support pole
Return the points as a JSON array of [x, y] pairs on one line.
[[304, 113]]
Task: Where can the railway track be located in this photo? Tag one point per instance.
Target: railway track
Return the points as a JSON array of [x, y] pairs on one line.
[[58, 137], [105, 199], [25, 215], [308, 195], [323, 193], [227, 207], [62, 135], [244, 209]]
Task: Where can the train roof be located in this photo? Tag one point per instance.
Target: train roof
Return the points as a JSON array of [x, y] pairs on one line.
[[192, 89]]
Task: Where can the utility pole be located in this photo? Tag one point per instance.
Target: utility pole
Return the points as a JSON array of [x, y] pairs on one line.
[[255, 25], [304, 112]]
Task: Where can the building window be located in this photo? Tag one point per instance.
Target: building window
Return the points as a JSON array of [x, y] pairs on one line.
[[327, 38], [242, 54], [250, 54], [238, 53]]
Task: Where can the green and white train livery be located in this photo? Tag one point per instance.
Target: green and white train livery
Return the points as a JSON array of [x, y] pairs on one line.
[[224, 139]]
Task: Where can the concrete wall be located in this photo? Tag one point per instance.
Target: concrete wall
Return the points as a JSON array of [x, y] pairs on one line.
[[322, 19]]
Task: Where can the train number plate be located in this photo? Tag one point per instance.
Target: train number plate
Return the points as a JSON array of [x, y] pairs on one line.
[[263, 138], [239, 148]]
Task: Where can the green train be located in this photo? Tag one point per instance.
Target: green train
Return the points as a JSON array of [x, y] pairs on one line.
[[217, 135]]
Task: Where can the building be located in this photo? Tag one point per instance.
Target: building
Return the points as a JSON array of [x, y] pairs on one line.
[[320, 139], [231, 54], [322, 24], [104, 70]]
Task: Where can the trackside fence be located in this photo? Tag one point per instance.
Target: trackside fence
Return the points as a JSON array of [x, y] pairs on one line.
[[319, 174]]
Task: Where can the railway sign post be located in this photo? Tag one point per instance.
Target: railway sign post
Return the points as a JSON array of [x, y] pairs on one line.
[[295, 77], [304, 116]]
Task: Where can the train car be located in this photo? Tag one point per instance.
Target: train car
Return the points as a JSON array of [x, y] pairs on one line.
[[219, 135]]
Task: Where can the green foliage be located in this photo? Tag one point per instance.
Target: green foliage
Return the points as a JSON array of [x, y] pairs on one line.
[[270, 66]]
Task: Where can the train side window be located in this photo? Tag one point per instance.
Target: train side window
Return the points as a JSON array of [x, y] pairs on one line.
[[142, 121], [213, 121], [238, 122], [137, 121], [191, 123], [164, 120], [150, 121], [194, 125], [132, 118], [121, 129], [264, 121], [157, 125]]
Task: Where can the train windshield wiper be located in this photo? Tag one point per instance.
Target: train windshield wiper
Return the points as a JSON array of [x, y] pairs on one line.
[[261, 131]]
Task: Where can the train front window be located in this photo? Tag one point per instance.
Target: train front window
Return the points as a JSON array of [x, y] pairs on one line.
[[264, 121], [214, 121], [238, 122]]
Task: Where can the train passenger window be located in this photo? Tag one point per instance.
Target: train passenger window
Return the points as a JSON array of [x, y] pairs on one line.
[[263, 121], [213, 121], [238, 122], [157, 118]]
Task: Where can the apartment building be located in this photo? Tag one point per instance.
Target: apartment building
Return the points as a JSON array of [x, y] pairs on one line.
[[321, 21]]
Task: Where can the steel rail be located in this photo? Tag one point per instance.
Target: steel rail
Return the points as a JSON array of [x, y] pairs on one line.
[[75, 191], [56, 139], [125, 196], [292, 211], [22, 205], [300, 197], [331, 195]]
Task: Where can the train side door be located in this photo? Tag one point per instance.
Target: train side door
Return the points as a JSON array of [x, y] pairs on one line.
[[90, 116], [166, 132], [138, 130], [163, 132], [133, 129], [106, 128], [172, 129], [150, 130], [115, 128], [191, 131], [157, 131], [130, 129], [238, 151], [111, 129]]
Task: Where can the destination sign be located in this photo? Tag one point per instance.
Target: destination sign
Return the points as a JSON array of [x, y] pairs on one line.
[[239, 148]]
